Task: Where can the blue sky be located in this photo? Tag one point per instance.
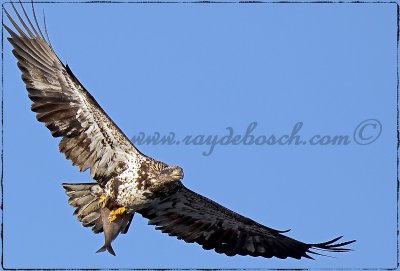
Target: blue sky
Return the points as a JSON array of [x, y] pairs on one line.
[[196, 69]]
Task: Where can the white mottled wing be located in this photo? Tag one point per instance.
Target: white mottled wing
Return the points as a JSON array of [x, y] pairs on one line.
[[90, 139], [194, 218]]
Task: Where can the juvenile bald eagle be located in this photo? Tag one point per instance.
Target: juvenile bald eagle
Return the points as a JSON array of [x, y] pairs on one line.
[[128, 181]]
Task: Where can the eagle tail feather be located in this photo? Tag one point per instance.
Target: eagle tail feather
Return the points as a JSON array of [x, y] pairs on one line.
[[84, 197]]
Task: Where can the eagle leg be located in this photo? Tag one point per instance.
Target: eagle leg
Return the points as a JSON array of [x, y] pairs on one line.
[[114, 213]]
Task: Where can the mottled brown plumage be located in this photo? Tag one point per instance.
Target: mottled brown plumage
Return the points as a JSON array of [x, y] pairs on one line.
[[127, 180]]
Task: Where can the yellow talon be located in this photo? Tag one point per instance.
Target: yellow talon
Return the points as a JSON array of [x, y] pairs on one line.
[[120, 211], [102, 201], [115, 213]]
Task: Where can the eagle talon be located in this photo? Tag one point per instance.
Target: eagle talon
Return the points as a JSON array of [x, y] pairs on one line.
[[114, 213], [102, 201]]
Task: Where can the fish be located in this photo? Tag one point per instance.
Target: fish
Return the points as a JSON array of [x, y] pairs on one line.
[[113, 228]]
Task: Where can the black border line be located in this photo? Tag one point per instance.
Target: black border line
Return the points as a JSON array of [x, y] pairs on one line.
[[2, 138], [198, 2], [398, 135]]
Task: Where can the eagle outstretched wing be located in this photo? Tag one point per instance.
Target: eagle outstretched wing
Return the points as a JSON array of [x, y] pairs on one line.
[[194, 218], [90, 139]]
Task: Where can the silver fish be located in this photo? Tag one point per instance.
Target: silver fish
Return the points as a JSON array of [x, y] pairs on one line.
[[112, 229]]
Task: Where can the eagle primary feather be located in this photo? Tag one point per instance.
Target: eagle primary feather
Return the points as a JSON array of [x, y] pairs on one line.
[[90, 139], [127, 180]]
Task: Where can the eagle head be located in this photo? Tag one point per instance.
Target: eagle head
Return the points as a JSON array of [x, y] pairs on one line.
[[171, 174]]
